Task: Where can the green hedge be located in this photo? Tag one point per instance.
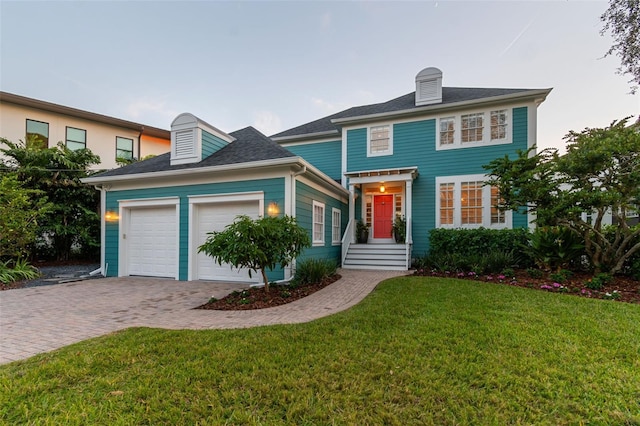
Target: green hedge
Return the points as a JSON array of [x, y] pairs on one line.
[[473, 242]]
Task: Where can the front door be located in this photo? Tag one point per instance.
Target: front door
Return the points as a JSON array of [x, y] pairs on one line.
[[382, 216]]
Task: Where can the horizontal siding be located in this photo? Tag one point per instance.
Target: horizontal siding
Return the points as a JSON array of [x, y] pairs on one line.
[[273, 191], [211, 144], [414, 144], [305, 195], [326, 156]]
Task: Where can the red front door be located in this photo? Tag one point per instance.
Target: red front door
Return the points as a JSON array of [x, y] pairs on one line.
[[382, 216]]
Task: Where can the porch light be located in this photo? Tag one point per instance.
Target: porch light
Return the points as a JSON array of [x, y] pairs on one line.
[[382, 188], [273, 209], [111, 216]]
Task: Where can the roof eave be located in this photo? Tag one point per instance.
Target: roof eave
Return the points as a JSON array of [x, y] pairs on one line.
[[538, 95], [316, 135]]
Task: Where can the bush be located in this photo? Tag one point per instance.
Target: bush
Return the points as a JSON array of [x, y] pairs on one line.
[[492, 262], [555, 247], [21, 270], [480, 242], [599, 281], [313, 271]]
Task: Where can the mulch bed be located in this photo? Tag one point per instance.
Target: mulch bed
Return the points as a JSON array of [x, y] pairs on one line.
[[257, 298], [622, 288]]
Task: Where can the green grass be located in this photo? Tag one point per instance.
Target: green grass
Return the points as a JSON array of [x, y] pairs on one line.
[[416, 351]]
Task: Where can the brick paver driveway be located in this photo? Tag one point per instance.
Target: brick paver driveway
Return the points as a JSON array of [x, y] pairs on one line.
[[40, 319]]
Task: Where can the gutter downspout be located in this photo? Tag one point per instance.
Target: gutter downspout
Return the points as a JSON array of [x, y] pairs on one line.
[[293, 209], [103, 208], [140, 143]]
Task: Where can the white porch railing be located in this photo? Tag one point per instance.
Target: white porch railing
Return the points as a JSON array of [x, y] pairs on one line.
[[347, 239]]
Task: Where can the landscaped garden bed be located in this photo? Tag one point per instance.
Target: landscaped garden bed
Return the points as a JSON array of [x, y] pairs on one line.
[[620, 288]]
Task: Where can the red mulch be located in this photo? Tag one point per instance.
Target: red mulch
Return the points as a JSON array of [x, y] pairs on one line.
[[622, 288], [257, 298]]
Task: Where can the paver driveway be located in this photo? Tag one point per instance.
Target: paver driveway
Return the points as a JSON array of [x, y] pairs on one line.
[[40, 319]]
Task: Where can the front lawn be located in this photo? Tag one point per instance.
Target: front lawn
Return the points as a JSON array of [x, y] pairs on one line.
[[418, 350]]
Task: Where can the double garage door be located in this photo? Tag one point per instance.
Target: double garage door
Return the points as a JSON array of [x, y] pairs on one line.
[[153, 243]]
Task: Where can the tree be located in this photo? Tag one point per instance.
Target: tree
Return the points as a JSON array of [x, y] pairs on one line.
[[599, 174], [259, 244], [622, 19], [73, 218], [20, 211]]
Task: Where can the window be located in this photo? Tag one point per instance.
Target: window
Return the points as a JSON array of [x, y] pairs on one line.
[[76, 138], [472, 127], [466, 202], [37, 133], [446, 203], [447, 126], [497, 215], [336, 222], [124, 148], [318, 223], [471, 203], [498, 124], [379, 142]]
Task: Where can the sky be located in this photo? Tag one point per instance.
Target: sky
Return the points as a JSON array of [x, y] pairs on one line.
[[276, 65]]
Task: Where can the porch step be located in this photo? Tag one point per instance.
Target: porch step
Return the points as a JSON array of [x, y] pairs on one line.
[[376, 256]]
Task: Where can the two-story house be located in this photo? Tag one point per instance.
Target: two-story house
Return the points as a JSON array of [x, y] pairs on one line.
[[23, 118], [418, 156]]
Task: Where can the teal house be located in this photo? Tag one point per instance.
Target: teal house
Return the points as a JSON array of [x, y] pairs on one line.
[[415, 160]]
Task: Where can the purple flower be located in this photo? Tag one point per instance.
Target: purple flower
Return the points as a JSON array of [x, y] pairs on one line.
[[556, 285], [472, 274], [460, 274], [546, 287], [501, 277], [489, 277]]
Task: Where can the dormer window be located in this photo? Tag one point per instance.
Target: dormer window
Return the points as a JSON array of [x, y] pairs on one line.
[[429, 86], [193, 140]]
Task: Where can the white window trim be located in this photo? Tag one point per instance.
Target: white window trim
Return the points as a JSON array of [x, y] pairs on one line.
[[388, 151], [314, 204], [457, 205], [486, 131], [335, 225]]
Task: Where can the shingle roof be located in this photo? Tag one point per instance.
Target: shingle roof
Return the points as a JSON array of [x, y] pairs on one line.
[[250, 145], [403, 103]]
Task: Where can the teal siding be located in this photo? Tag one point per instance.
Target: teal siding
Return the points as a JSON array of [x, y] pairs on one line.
[[305, 195], [414, 144], [326, 156], [211, 144], [273, 191]]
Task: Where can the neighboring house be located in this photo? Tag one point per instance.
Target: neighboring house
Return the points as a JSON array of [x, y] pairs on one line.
[[108, 137], [418, 156]]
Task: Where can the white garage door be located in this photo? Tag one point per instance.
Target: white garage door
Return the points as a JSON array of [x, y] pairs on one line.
[[151, 242], [214, 217]]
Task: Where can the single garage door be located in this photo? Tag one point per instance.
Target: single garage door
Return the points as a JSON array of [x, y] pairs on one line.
[[214, 217], [152, 241]]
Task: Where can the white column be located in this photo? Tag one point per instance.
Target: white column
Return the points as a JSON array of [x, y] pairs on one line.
[[408, 209], [352, 208]]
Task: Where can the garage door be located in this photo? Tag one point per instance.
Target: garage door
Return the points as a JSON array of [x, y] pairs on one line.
[[214, 217], [152, 241]]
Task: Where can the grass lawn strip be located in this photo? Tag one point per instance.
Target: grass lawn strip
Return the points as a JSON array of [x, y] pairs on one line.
[[416, 351]]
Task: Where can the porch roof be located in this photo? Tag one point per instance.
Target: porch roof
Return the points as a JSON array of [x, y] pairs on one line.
[[387, 175]]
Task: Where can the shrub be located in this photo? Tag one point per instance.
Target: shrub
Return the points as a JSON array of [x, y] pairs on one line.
[[479, 242], [561, 276], [312, 271], [554, 247], [492, 262], [599, 281], [535, 273], [21, 270]]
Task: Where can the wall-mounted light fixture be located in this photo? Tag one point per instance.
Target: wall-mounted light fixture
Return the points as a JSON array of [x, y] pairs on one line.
[[111, 216], [273, 209], [382, 188]]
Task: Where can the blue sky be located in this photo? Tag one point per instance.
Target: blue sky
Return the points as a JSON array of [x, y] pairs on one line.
[[275, 65]]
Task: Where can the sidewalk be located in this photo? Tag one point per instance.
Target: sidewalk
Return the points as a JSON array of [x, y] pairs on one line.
[[41, 319]]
